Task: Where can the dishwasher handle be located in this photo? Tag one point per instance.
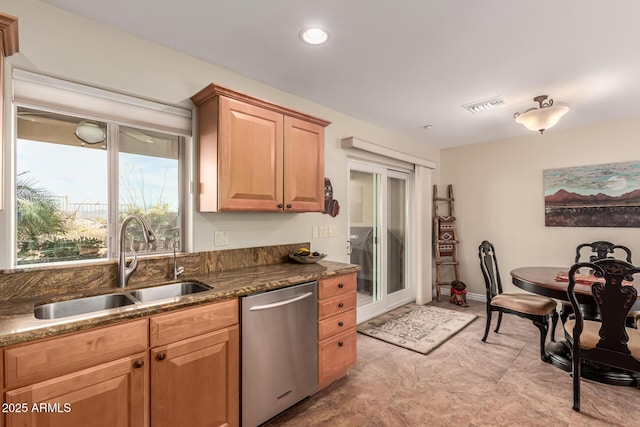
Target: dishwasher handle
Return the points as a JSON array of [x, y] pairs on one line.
[[281, 303]]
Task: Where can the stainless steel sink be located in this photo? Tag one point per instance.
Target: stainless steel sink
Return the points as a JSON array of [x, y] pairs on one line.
[[171, 290], [56, 310], [60, 309]]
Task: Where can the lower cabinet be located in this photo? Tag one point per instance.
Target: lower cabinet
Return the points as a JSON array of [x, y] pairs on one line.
[[94, 378], [174, 369], [108, 395], [195, 381], [336, 327]]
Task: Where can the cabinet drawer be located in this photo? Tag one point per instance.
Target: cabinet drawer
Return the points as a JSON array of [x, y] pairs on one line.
[[42, 360], [172, 327], [336, 354], [336, 324], [336, 305], [338, 285]]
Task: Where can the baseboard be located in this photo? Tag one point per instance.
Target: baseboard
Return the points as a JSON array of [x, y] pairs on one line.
[[476, 297], [470, 295]]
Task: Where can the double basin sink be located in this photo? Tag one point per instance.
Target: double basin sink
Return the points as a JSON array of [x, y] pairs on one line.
[[89, 305]]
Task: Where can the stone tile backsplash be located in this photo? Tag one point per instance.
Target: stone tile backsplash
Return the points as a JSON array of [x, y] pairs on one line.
[[101, 277]]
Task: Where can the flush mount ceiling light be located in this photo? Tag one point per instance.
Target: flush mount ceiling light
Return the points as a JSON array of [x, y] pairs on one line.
[[542, 118], [90, 133], [314, 35]]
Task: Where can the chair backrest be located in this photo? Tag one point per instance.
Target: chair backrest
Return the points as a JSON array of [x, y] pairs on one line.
[[614, 299], [490, 271], [602, 249]]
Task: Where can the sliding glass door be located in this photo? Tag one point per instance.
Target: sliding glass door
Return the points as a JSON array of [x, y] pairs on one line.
[[379, 230]]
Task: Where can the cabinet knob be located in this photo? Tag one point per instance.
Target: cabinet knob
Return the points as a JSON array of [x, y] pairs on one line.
[[341, 324], [289, 206], [280, 205], [340, 344], [160, 357], [139, 364], [341, 285], [341, 305]]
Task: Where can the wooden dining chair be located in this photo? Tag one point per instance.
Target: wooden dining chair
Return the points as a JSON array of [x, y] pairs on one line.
[[603, 249], [536, 308], [606, 341]]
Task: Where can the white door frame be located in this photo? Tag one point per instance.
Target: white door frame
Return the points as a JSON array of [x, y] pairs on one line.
[[387, 302]]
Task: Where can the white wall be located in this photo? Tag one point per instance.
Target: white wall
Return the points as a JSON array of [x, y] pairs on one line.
[[498, 187], [63, 45]]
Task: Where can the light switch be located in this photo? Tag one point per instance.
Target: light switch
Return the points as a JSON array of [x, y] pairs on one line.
[[314, 232], [333, 230], [323, 231]]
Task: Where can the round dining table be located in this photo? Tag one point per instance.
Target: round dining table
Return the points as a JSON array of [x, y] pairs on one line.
[[544, 281]]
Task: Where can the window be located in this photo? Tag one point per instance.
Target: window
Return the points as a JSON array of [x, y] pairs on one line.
[[79, 175], [64, 183]]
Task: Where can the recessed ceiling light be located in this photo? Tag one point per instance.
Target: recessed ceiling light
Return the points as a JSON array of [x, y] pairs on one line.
[[427, 127], [314, 35]]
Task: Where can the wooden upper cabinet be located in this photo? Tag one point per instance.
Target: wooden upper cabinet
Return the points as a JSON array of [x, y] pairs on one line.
[[8, 46], [249, 157], [303, 166], [257, 156]]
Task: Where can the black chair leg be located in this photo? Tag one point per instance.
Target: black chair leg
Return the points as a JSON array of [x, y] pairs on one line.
[[554, 323], [576, 372], [486, 329], [543, 325], [499, 322], [565, 312]]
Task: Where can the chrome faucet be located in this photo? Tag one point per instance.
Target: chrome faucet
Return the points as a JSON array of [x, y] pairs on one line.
[[124, 272], [177, 271]]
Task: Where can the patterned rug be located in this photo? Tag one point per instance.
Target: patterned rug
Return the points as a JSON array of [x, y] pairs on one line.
[[420, 328]]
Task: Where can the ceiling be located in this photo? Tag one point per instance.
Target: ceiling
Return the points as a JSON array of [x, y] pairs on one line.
[[406, 64]]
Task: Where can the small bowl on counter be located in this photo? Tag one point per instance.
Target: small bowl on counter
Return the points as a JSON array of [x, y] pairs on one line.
[[306, 259]]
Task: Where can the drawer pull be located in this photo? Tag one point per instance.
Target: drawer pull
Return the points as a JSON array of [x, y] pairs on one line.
[[160, 357], [341, 324], [139, 364], [341, 305], [341, 285], [340, 344]]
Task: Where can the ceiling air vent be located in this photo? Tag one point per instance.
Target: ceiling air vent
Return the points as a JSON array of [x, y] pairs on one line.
[[485, 105]]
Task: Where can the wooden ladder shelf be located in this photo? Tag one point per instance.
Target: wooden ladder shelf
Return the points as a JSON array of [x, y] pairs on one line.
[[445, 238]]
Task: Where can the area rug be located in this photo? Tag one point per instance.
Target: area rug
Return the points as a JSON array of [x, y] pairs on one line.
[[420, 328]]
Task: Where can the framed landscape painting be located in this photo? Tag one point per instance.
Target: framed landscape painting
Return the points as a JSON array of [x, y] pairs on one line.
[[605, 195]]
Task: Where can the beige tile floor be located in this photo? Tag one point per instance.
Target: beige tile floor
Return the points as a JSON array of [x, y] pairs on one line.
[[464, 382]]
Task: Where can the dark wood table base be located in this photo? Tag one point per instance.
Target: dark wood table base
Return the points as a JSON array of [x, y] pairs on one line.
[[560, 357]]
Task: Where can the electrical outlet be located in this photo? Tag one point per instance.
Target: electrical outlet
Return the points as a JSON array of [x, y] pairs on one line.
[[221, 238], [323, 231], [314, 232]]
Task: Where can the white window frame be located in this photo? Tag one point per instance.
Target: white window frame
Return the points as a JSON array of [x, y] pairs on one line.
[[65, 97]]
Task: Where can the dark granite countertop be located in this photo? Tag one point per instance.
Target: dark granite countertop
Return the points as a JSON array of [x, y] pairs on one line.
[[18, 323]]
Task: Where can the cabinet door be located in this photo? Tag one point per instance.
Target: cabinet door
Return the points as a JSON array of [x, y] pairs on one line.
[[335, 355], [249, 157], [195, 382], [109, 395], [303, 166]]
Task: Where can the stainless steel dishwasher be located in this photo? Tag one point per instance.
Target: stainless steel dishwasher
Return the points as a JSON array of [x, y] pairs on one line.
[[279, 351]]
